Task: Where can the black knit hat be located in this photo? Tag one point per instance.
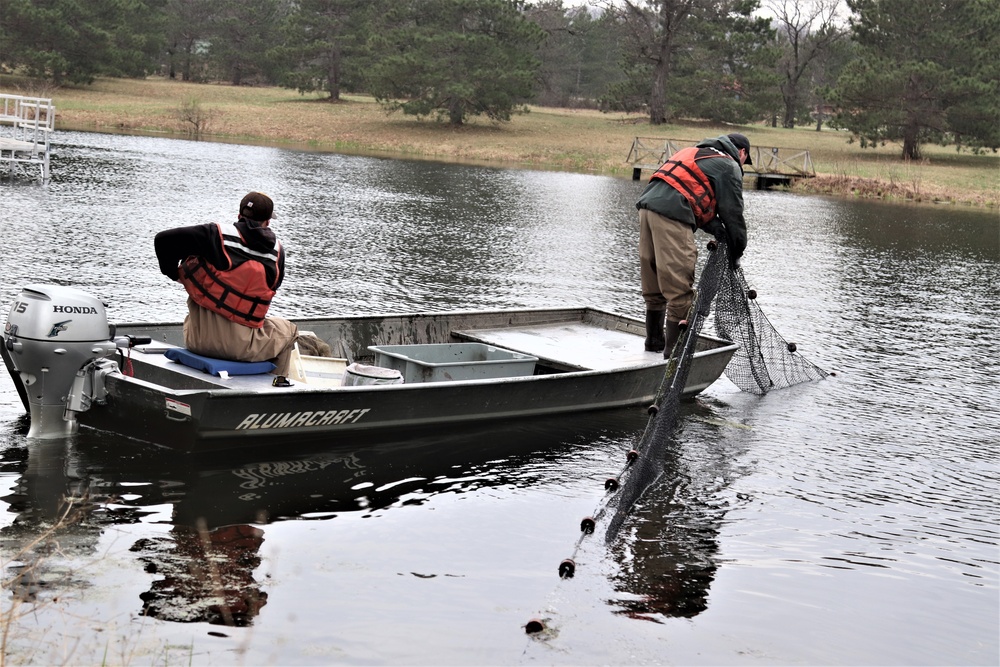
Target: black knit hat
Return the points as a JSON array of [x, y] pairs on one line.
[[741, 141], [257, 206]]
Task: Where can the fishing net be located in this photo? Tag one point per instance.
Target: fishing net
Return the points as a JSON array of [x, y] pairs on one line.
[[764, 361]]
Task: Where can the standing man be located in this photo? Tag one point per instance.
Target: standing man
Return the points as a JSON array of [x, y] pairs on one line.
[[231, 272], [690, 190]]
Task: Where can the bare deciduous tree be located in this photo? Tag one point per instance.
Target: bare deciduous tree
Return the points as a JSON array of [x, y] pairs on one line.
[[806, 30], [653, 28]]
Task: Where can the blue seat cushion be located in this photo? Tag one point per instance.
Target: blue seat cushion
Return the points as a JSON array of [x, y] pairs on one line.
[[213, 366]]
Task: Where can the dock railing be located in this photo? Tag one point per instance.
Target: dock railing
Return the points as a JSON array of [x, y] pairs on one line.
[[26, 127], [771, 164]]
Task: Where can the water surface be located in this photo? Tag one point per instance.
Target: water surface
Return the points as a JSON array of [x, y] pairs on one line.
[[848, 521]]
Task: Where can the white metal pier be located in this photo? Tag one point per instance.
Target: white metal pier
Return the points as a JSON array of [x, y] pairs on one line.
[[26, 125]]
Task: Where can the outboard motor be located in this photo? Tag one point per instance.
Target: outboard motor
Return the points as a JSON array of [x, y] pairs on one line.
[[52, 338]]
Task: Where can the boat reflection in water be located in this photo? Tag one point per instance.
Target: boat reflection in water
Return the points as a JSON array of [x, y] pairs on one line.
[[219, 507]]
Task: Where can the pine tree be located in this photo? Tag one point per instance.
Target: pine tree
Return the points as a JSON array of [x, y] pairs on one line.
[[455, 59], [68, 41], [324, 42], [926, 72]]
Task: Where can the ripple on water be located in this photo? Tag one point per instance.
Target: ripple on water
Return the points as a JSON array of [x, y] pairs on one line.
[[852, 520]]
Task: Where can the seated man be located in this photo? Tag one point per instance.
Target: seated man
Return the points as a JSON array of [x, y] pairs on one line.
[[231, 272]]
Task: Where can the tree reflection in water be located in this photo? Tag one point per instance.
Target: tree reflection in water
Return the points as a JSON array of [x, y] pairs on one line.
[[207, 574], [669, 547], [673, 562], [205, 568]]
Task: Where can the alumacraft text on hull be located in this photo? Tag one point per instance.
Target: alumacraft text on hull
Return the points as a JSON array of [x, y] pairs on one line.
[[68, 366]]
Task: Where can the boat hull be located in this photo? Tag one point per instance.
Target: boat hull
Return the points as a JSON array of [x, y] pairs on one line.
[[588, 360], [214, 419]]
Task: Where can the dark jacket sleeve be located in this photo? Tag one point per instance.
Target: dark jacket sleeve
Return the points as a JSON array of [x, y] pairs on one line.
[[173, 246], [728, 185], [281, 268]]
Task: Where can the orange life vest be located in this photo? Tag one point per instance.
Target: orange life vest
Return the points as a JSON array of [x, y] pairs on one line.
[[682, 173], [241, 293]]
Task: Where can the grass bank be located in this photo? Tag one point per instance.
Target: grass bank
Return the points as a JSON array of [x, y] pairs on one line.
[[545, 138]]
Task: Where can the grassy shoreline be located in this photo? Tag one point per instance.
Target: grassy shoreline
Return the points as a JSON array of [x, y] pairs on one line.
[[546, 138]]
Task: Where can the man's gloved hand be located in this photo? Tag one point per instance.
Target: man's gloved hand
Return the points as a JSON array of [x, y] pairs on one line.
[[715, 228], [735, 253], [735, 243]]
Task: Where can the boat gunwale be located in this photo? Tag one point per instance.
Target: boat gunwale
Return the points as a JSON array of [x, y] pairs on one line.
[[436, 314], [306, 389], [563, 314]]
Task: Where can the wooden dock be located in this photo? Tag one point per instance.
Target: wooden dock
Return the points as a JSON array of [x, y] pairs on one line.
[[26, 125], [771, 165]]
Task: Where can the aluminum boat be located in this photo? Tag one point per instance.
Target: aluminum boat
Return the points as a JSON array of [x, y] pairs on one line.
[[391, 373]]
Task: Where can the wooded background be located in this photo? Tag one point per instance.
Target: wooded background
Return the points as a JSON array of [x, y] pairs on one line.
[[886, 70]]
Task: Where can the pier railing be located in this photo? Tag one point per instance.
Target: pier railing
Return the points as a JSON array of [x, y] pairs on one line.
[[26, 126], [771, 164]]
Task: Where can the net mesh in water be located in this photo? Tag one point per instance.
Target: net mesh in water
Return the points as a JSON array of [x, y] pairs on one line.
[[764, 361]]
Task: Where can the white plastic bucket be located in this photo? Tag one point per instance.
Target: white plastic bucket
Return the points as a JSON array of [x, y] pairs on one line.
[[357, 375]]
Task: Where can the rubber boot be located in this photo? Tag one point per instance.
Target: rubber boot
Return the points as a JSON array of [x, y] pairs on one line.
[[673, 333], [654, 330]]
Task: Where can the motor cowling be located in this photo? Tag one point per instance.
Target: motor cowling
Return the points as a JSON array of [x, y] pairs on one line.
[[51, 333]]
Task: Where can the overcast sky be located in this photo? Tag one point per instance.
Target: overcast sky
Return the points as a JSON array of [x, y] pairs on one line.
[[762, 11]]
